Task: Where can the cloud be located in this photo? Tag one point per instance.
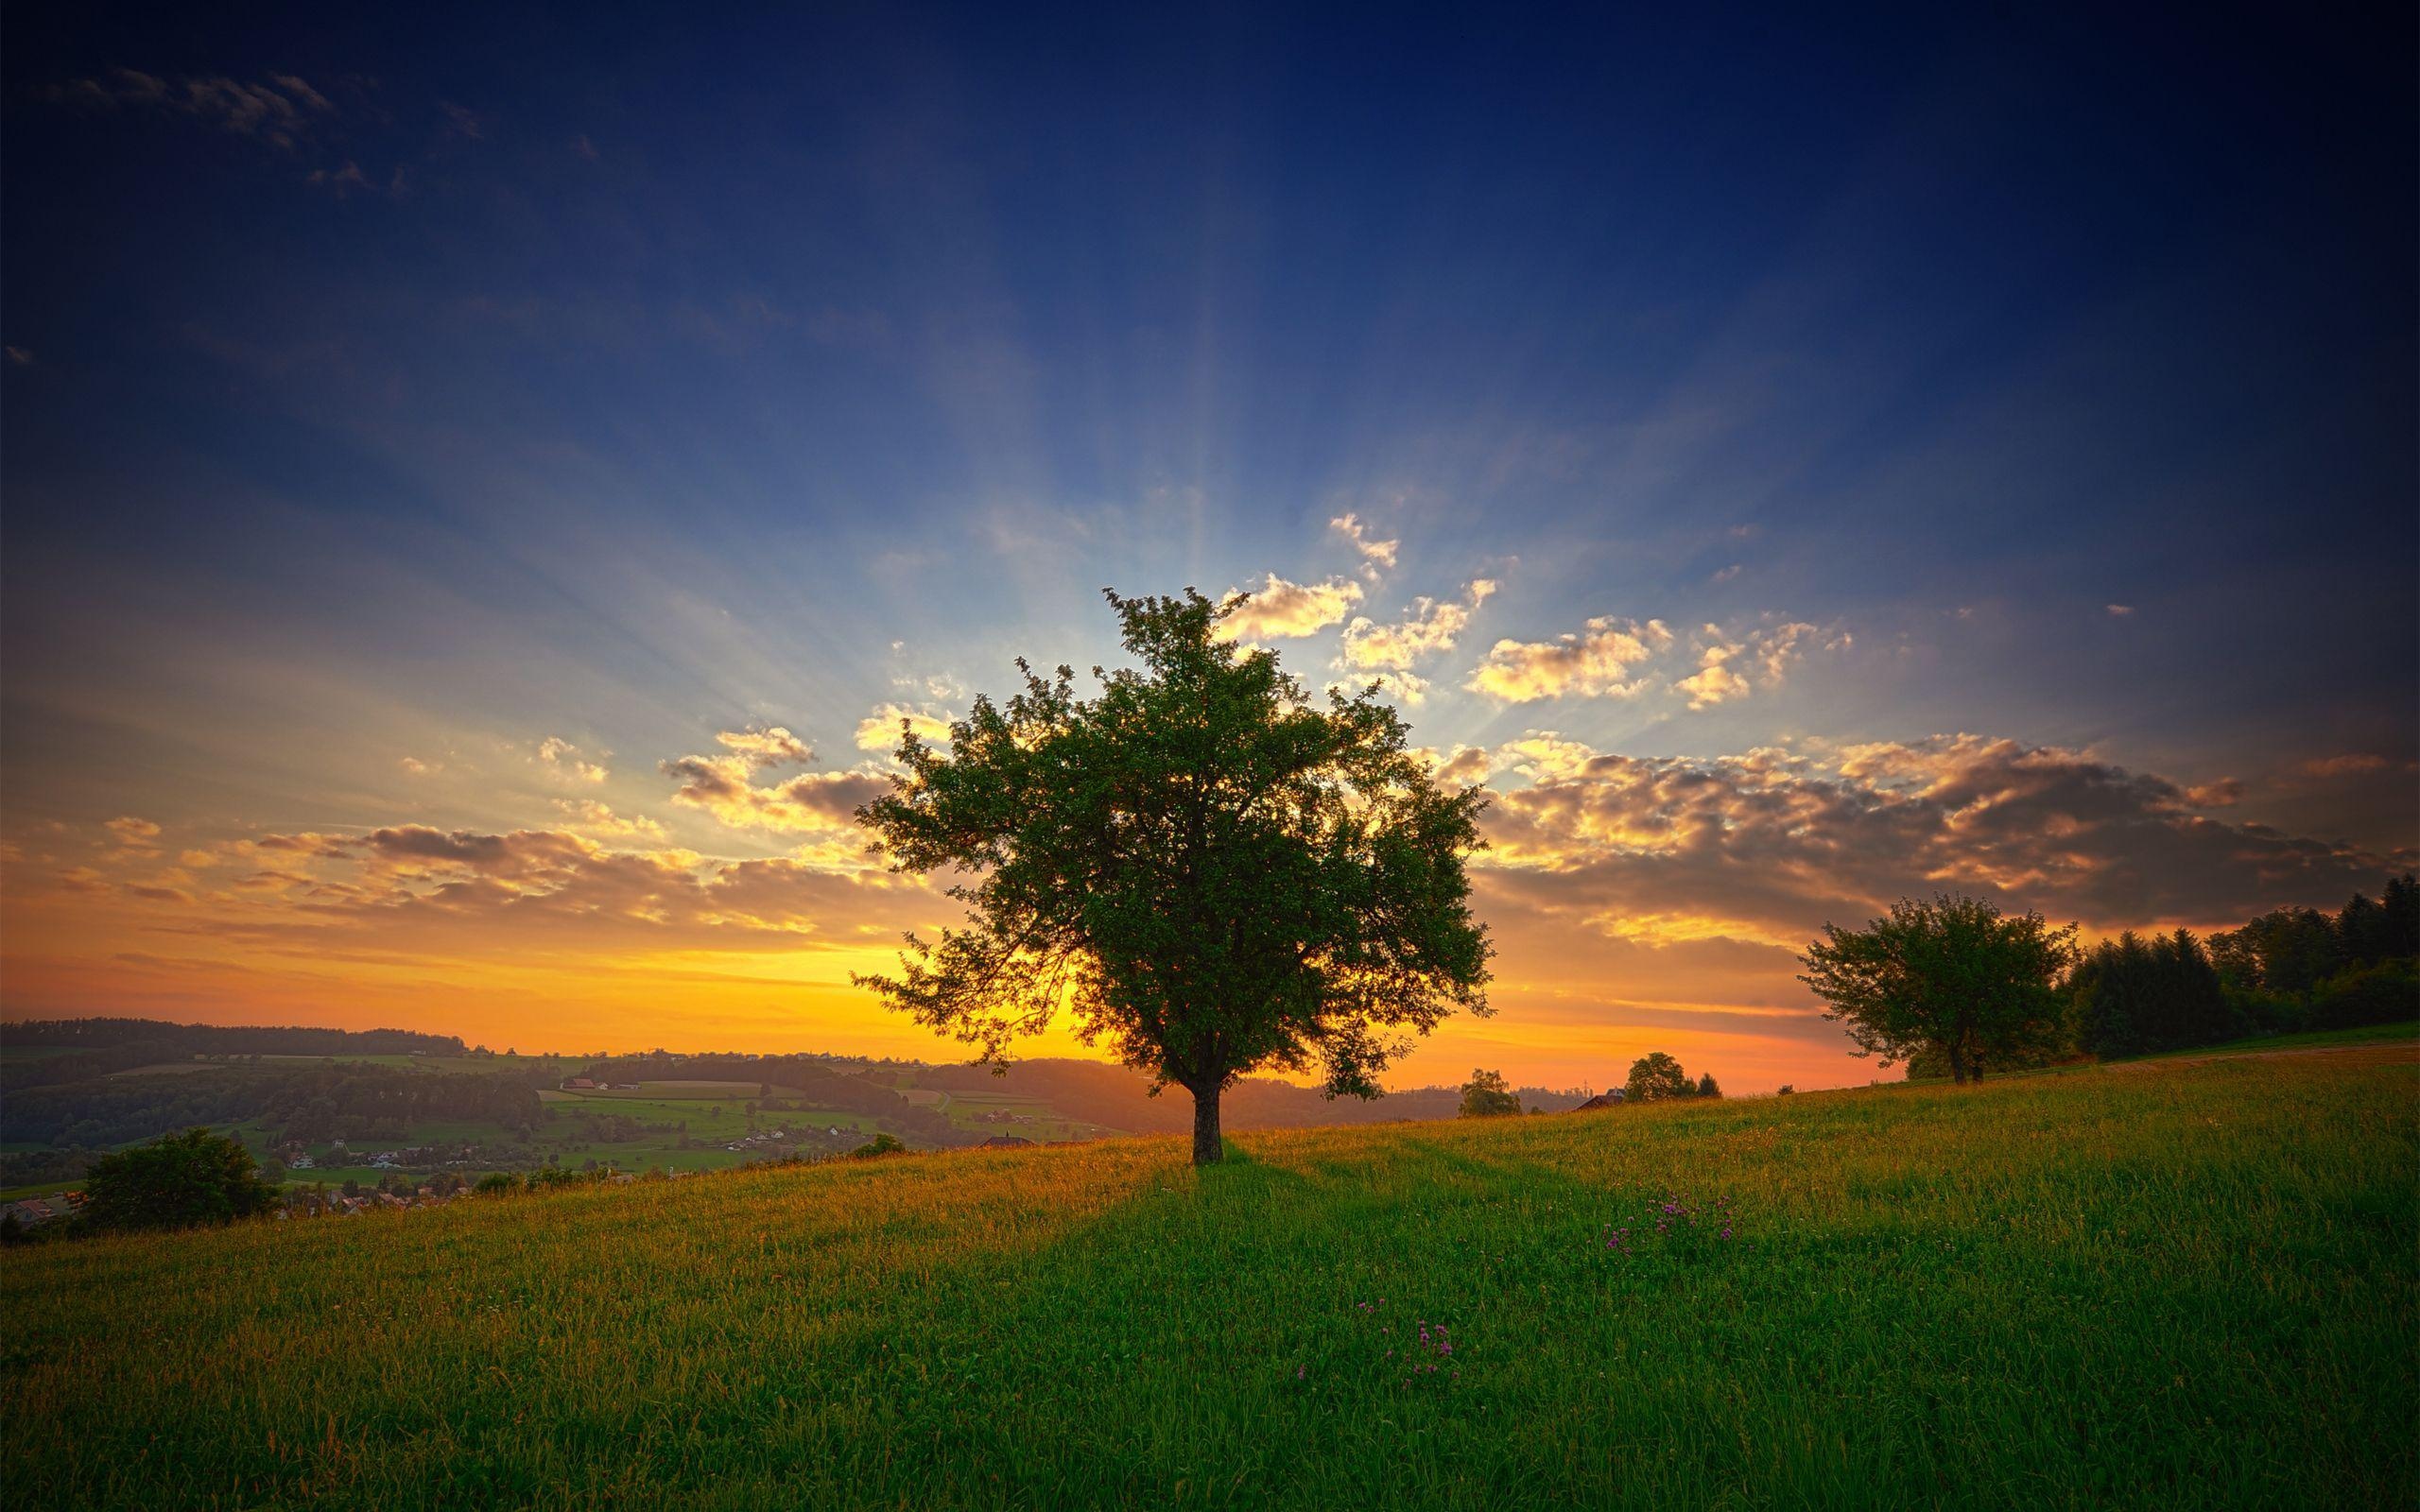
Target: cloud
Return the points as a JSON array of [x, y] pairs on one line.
[[1428, 629], [1726, 574], [2119, 611], [562, 757], [132, 831], [518, 854], [879, 731], [1770, 844], [587, 816], [765, 748], [280, 112], [2353, 765], [725, 785], [341, 181], [414, 767], [1282, 609], [1374, 552], [19, 357], [543, 892], [1597, 661], [1731, 669]]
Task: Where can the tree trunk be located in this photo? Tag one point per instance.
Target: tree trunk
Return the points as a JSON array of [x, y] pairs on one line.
[[1206, 1149], [1956, 1064]]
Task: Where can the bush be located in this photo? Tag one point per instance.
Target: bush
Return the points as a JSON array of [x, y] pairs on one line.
[[178, 1181], [2378, 994], [495, 1181], [879, 1145]]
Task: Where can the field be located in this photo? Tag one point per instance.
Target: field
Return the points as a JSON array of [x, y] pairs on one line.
[[2164, 1284]]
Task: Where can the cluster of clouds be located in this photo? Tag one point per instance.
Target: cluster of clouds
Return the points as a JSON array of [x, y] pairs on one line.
[[1608, 657], [1767, 846], [726, 784], [279, 109]]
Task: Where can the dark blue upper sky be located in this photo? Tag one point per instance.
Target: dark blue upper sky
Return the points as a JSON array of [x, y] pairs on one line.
[[381, 382]]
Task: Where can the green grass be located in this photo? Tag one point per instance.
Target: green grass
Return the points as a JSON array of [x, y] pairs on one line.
[[2189, 1284]]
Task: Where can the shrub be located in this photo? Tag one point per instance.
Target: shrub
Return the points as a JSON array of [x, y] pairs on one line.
[[879, 1145]]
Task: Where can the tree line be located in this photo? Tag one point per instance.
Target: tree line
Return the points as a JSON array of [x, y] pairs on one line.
[[99, 1047], [309, 1104], [1954, 987]]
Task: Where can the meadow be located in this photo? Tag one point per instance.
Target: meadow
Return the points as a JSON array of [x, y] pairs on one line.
[[2189, 1283]]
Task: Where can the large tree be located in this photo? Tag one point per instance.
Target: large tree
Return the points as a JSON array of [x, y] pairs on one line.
[[1655, 1077], [1949, 974], [1208, 871]]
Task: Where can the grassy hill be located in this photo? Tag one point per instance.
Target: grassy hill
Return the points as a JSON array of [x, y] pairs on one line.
[[2189, 1283]]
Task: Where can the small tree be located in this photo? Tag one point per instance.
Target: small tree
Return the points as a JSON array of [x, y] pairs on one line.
[[1706, 1086], [1486, 1096], [1952, 974], [1209, 871], [1654, 1077], [176, 1181]]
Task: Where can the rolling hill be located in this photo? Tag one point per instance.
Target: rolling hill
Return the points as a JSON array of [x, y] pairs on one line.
[[2182, 1283]]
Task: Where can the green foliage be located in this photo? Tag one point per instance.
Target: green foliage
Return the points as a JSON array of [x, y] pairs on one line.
[[178, 1181], [1953, 974], [2176, 1285], [2385, 993], [2289, 951], [495, 1183], [1654, 1077], [1485, 1096], [2131, 997], [1706, 1086], [880, 1144], [1210, 871]]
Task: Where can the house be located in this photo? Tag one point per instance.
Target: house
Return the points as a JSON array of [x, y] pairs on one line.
[[1005, 1141], [580, 1084], [1600, 1102], [301, 1163]]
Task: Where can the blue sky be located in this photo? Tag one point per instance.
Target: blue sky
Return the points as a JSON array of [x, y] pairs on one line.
[[422, 389]]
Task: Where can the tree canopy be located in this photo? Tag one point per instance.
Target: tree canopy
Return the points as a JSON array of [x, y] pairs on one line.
[[1952, 974], [1655, 1076], [1485, 1096], [1211, 873]]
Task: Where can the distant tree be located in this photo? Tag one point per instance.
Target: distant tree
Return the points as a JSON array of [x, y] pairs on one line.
[[176, 1181], [1786, 1090], [879, 1144], [1654, 1077], [1951, 973], [1706, 1086], [1486, 1096], [1212, 873]]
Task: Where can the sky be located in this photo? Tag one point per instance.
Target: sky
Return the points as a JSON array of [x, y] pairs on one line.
[[482, 489]]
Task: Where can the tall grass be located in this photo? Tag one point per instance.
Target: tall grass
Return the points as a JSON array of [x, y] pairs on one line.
[[2175, 1286]]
